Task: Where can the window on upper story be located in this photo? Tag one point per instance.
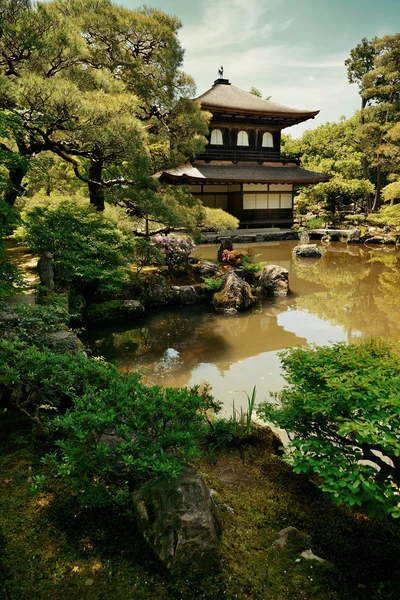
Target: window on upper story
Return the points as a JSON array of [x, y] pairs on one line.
[[243, 138], [216, 137], [267, 140]]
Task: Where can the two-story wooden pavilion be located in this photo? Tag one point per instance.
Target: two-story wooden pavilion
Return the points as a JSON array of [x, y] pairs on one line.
[[242, 169]]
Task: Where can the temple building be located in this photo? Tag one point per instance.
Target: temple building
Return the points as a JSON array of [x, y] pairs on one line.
[[243, 170]]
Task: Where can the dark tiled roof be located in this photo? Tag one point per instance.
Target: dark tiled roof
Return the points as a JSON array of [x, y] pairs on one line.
[[250, 173], [231, 98]]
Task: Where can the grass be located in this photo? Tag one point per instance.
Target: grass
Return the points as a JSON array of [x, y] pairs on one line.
[[53, 550]]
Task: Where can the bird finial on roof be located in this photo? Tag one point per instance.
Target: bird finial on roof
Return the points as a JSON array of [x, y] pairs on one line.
[[221, 72]]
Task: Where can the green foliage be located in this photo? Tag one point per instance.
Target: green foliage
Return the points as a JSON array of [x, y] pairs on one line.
[[214, 283], [356, 219], [216, 219], [341, 409], [104, 312], [89, 252], [9, 275], [118, 436], [146, 254], [242, 421], [391, 191], [34, 324], [316, 223], [35, 382], [388, 215], [220, 434]]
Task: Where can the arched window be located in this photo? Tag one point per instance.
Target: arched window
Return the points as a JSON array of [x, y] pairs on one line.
[[242, 139], [216, 137], [267, 140]]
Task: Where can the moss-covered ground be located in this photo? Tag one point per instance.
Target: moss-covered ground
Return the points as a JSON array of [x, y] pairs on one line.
[[49, 548]]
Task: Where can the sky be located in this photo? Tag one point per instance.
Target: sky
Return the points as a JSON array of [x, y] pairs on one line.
[[291, 50]]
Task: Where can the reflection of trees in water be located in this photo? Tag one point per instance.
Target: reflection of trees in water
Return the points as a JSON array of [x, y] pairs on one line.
[[179, 341], [362, 292]]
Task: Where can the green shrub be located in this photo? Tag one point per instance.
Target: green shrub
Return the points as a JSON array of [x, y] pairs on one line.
[[341, 407], [115, 438], [316, 223], [356, 219], [388, 215], [36, 382], [146, 254], [88, 251], [216, 219], [213, 283], [34, 324]]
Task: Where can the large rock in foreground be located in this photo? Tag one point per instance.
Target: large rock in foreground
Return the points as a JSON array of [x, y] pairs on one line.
[[274, 281], [178, 519], [235, 295], [307, 251]]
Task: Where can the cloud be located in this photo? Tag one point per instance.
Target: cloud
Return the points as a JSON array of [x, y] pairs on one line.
[[229, 23], [260, 45]]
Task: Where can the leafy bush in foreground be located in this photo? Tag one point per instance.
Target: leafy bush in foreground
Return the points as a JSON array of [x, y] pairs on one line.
[[124, 434], [341, 409], [109, 429]]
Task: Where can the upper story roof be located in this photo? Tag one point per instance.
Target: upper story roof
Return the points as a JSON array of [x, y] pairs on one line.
[[224, 97]]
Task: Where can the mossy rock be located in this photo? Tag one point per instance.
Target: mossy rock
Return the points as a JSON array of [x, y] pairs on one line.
[[236, 295], [115, 311]]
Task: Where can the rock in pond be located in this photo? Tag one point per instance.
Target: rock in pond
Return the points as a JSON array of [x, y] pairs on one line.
[[307, 251], [274, 281], [235, 295], [114, 311], [370, 238], [178, 519], [156, 291], [187, 294]]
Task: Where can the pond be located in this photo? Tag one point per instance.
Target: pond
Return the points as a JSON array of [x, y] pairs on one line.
[[352, 292]]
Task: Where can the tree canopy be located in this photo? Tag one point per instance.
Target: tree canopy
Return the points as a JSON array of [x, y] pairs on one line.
[[98, 85]]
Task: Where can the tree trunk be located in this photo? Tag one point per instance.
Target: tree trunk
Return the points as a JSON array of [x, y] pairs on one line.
[[364, 162], [378, 188], [365, 167], [96, 190], [14, 187]]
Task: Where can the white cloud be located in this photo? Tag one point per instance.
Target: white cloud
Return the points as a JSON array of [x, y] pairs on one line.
[[229, 23], [250, 40]]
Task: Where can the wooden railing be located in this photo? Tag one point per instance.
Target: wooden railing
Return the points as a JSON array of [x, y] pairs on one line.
[[246, 155]]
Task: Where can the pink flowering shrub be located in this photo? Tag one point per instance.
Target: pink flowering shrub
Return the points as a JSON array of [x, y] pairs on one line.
[[176, 251], [243, 259]]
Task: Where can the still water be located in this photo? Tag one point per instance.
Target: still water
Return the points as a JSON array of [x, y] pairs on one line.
[[350, 293]]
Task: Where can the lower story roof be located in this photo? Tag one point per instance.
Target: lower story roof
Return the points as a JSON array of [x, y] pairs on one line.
[[250, 173]]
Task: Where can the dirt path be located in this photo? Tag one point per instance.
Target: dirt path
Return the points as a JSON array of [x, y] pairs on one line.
[[26, 262]]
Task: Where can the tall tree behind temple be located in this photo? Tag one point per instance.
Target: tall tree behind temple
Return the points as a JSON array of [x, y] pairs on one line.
[[332, 148], [375, 67], [359, 63], [382, 91]]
